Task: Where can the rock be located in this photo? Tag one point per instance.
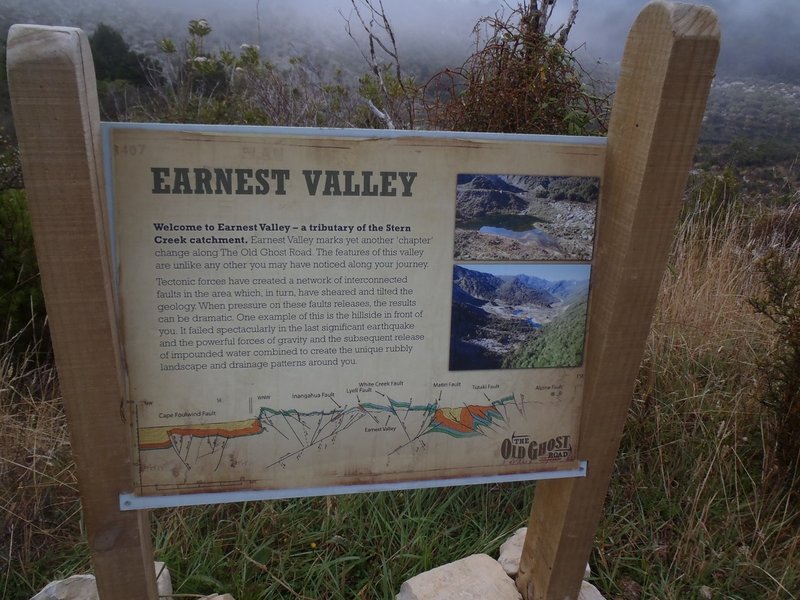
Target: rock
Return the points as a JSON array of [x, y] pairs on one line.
[[164, 581], [477, 577], [511, 552], [84, 587], [217, 597], [77, 587], [589, 592]]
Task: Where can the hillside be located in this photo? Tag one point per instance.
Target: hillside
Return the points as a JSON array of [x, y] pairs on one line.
[[558, 343]]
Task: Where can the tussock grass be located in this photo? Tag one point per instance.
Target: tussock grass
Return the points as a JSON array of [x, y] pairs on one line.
[[41, 535], [693, 511], [693, 503]]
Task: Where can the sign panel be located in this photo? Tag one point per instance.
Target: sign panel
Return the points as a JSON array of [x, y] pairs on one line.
[[318, 308]]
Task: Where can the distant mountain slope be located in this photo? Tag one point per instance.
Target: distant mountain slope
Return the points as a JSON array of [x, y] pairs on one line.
[[488, 182], [519, 289], [476, 283], [482, 195], [564, 289]]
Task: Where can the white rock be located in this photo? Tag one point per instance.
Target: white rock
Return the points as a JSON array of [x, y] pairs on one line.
[[511, 552], [84, 587], [164, 581], [77, 587], [477, 577], [217, 597], [589, 592]]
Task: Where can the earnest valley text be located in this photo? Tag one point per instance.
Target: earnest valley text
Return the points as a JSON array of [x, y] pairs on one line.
[[260, 182]]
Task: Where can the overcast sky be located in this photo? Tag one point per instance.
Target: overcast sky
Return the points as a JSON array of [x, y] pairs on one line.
[[755, 34], [759, 37]]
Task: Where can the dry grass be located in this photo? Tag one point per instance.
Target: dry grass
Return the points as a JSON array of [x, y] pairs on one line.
[[38, 493], [693, 511], [694, 508]]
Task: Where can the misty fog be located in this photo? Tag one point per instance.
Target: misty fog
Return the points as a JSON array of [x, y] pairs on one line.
[[759, 38]]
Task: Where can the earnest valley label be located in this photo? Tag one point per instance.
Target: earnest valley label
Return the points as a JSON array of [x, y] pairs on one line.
[[261, 182]]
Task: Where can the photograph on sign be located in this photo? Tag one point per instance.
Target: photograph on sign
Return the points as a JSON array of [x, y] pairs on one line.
[[298, 310], [518, 316], [525, 217]]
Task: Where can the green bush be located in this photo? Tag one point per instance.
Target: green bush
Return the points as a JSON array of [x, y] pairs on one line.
[[780, 367], [114, 60], [22, 312], [712, 193]]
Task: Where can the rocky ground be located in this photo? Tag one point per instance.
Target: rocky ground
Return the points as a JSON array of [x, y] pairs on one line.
[[569, 225]]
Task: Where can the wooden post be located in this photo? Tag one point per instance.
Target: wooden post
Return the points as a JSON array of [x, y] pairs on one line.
[[661, 96], [54, 100]]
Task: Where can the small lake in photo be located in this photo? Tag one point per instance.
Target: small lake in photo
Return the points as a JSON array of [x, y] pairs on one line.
[[524, 217], [517, 223], [515, 227], [530, 235]]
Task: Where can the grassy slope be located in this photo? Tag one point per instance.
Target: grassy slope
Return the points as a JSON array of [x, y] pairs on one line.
[[693, 502]]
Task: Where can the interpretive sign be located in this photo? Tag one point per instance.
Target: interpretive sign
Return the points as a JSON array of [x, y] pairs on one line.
[[305, 309]]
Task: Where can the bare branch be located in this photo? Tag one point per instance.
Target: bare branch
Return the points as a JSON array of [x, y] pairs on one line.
[[372, 16], [563, 32], [383, 116]]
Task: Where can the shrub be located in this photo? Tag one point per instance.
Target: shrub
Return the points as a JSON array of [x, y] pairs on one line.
[[780, 367], [22, 312], [209, 86], [712, 194], [114, 60], [520, 80]]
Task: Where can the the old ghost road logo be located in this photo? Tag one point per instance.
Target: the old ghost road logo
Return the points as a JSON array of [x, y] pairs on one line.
[[521, 449]]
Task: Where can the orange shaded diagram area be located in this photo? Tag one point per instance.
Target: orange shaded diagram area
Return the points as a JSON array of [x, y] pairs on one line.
[[464, 421], [207, 438], [160, 438]]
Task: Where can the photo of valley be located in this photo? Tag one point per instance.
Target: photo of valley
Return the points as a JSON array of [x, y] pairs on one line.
[[518, 316], [525, 217]]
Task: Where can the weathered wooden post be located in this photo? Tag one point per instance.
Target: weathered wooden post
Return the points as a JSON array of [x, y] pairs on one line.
[[661, 96], [54, 100]]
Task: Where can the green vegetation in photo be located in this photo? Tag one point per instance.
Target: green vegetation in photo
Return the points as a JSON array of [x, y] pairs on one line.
[[557, 344]]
